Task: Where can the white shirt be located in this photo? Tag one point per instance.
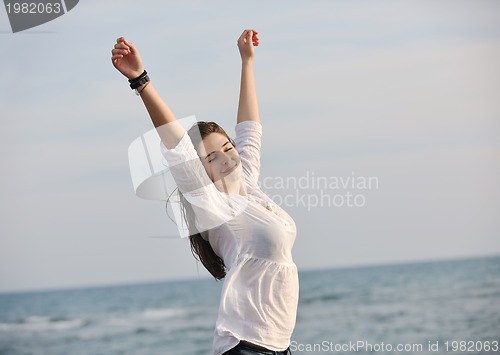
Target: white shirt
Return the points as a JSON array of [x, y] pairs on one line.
[[260, 293]]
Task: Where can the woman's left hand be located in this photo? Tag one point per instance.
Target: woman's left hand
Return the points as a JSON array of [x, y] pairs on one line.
[[246, 43]]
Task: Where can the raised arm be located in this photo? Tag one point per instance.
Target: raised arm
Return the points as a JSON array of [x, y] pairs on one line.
[[248, 109], [126, 59]]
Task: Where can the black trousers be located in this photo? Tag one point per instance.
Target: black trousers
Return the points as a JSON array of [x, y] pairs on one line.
[[248, 349]]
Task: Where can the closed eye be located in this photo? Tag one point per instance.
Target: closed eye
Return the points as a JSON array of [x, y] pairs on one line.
[[211, 156]]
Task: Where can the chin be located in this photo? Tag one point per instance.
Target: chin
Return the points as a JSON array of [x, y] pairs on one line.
[[234, 175]]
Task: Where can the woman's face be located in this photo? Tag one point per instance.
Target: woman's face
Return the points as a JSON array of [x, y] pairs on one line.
[[221, 161]]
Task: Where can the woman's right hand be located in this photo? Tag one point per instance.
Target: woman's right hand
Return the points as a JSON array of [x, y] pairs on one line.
[[126, 59], [246, 43]]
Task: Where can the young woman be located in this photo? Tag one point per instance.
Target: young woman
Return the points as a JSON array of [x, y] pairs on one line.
[[236, 230]]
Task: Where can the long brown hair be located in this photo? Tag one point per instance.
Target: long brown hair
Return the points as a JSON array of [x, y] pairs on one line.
[[201, 248]]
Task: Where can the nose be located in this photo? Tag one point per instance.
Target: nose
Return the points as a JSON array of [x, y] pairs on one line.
[[226, 159]]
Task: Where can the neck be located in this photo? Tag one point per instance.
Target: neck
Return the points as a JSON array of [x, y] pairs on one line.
[[236, 188]]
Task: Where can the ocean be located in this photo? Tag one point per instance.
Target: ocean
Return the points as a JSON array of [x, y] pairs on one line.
[[440, 307]]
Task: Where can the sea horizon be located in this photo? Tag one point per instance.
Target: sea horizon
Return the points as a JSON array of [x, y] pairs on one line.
[[208, 277]]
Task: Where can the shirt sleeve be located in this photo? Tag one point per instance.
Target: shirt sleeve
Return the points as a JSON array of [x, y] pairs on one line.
[[248, 143], [211, 207]]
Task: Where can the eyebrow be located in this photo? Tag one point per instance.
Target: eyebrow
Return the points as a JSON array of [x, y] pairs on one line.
[[209, 154]]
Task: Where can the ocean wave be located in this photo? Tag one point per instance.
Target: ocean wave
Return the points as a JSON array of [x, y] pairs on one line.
[[144, 330], [41, 324], [91, 336], [322, 298], [208, 328], [146, 316], [163, 313]]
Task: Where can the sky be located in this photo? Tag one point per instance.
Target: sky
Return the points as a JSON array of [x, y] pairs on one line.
[[381, 132]]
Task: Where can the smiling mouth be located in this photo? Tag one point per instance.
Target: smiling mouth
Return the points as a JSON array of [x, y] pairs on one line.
[[227, 171]]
